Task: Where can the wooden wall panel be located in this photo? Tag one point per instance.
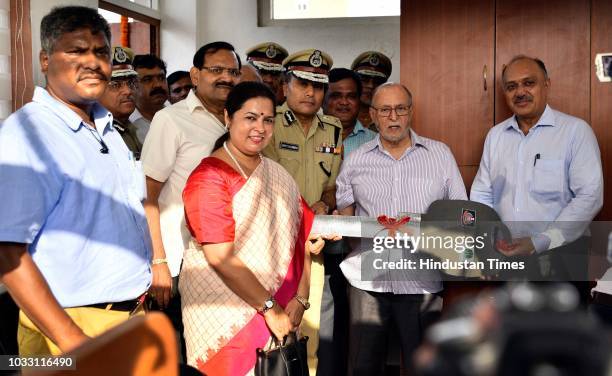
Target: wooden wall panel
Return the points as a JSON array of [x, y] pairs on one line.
[[601, 96], [557, 32], [445, 45], [468, 173], [22, 82]]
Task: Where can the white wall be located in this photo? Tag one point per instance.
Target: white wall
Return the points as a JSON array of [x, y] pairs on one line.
[[39, 9], [189, 24], [178, 33], [235, 21]]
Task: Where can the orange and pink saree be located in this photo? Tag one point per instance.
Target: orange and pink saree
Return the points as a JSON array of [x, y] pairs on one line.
[[268, 222]]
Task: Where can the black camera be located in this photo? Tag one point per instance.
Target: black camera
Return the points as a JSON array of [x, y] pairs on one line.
[[521, 329]]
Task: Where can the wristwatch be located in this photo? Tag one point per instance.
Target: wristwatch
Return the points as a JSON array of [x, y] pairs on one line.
[[303, 301], [268, 305]]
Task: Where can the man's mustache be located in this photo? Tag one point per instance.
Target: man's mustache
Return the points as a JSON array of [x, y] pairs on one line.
[[225, 83], [93, 74], [522, 98], [158, 90]]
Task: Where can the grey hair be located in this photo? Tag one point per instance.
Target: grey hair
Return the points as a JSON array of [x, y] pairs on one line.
[[390, 84]]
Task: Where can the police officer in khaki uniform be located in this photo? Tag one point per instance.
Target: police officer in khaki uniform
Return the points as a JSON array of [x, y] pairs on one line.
[[309, 146], [374, 69], [306, 143], [267, 58], [118, 97]]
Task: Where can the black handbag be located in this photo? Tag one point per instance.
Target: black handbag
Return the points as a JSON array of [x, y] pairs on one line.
[[288, 358]]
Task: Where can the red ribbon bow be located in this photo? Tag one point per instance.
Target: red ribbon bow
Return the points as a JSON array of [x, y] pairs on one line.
[[392, 224]]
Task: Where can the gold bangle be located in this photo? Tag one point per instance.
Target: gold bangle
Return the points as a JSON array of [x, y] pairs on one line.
[[159, 261]]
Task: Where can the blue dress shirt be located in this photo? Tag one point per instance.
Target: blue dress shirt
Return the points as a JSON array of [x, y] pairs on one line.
[[549, 182], [359, 136], [79, 210]]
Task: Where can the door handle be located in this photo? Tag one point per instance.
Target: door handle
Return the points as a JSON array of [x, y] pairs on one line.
[[484, 77]]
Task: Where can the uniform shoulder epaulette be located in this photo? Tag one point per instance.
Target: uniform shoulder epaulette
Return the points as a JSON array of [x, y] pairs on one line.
[[289, 117], [331, 120]]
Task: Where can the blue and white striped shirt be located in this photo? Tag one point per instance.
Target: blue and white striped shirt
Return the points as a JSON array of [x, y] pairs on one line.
[[378, 184]]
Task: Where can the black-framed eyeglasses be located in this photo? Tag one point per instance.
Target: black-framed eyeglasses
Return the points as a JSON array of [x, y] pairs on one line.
[[401, 110], [115, 85], [217, 71]]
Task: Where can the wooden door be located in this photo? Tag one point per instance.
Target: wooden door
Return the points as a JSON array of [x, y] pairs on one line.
[[557, 32], [447, 57], [601, 97]]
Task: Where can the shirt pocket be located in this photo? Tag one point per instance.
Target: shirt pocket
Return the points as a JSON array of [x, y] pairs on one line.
[[324, 163], [290, 163], [547, 177]]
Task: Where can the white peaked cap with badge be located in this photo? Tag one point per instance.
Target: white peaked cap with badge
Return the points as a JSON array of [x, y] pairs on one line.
[[372, 63], [267, 56], [312, 65], [122, 62]]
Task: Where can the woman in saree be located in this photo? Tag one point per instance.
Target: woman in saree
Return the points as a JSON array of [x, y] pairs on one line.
[[245, 275]]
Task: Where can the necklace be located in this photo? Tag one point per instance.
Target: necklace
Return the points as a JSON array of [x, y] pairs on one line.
[[236, 162]]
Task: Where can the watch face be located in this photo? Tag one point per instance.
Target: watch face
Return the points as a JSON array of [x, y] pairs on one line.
[[269, 303], [307, 305]]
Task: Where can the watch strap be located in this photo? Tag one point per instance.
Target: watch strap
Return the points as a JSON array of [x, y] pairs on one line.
[[303, 301]]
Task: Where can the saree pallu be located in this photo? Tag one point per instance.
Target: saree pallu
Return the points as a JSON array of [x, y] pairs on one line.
[[272, 223]]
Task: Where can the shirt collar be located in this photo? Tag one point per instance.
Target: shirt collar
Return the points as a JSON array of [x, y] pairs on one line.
[[193, 102], [287, 114], [358, 128], [414, 137], [546, 120], [103, 119]]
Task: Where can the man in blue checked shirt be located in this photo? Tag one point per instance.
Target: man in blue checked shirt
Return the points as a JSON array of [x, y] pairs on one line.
[[342, 101], [74, 242], [540, 169]]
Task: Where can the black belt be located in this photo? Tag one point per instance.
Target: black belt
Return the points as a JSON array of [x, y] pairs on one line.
[[125, 306], [602, 298]]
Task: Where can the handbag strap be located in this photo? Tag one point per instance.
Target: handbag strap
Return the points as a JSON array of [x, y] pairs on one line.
[[299, 353], [282, 352], [283, 344]]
